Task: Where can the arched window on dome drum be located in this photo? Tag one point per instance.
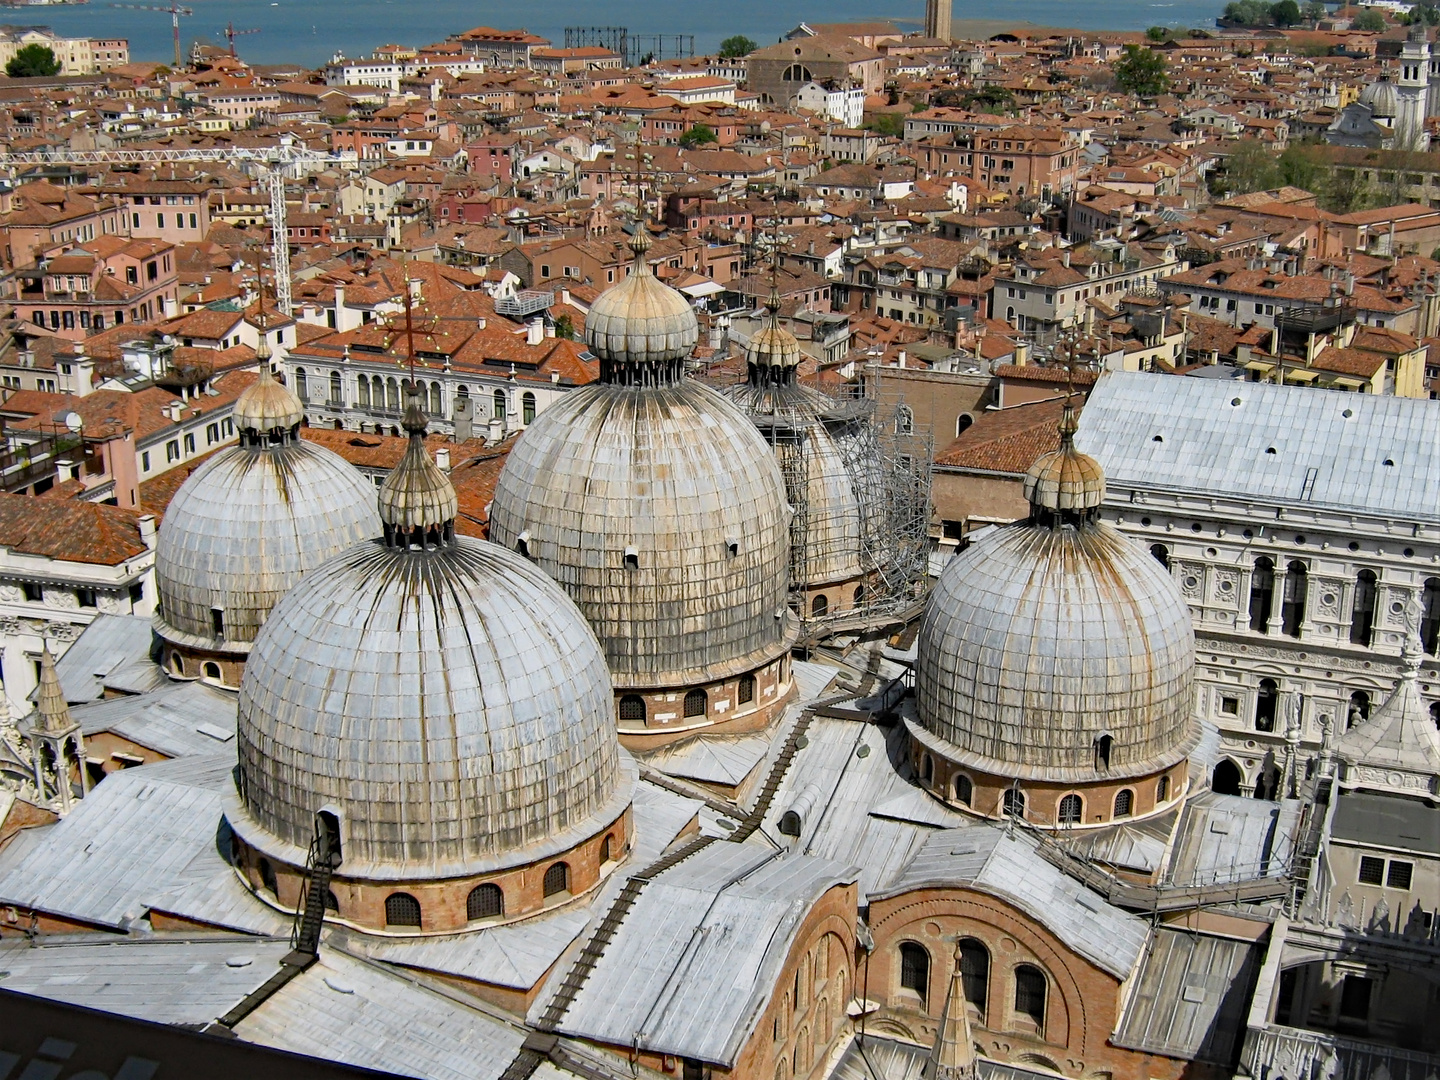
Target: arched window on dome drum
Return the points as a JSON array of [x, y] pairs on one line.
[[964, 789], [607, 849], [337, 391], [1266, 702], [1292, 609], [696, 703], [1362, 611], [1430, 616], [1161, 554], [632, 707], [177, 663], [859, 595], [819, 606], [497, 405], [927, 768], [1262, 594], [1162, 789], [915, 969], [745, 693], [267, 877], [332, 902], [527, 408], [557, 879], [1014, 803], [484, 902], [362, 392], [212, 670], [1030, 997], [1435, 714], [437, 400], [975, 975], [1071, 810], [1104, 747], [402, 909], [1124, 803], [302, 385]]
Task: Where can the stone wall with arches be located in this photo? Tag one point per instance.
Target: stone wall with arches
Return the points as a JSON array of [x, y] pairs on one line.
[[1067, 1032]]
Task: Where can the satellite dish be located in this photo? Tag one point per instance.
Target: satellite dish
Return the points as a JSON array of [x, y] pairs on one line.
[[74, 422]]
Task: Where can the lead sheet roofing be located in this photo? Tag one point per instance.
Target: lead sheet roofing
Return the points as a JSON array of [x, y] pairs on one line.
[[1330, 450], [691, 968]]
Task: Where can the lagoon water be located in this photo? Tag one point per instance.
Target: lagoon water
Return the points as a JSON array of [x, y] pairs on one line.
[[311, 31]]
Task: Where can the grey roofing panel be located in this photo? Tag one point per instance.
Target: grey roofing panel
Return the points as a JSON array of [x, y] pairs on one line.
[[1191, 997], [138, 833], [986, 858], [168, 980], [861, 811], [111, 643], [1213, 447], [346, 1010], [718, 760], [731, 909], [1231, 838], [178, 720], [1386, 822]]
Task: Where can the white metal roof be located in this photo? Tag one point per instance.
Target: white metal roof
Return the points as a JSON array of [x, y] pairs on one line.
[[692, 966], [1330, 448]]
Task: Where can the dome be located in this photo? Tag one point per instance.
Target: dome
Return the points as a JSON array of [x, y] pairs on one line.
[[267, 405], [243, 530], [663, 514], [439, 695], [1053, 634], [641, 320], [772, 346], [831, 512], [1381, 97], [1065, 479], [414, 496]]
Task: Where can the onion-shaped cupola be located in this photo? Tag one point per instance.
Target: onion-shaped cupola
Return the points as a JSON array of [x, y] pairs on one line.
[[447, 704], [244, 528], [642, 330], [1055, 665], [773, 355]]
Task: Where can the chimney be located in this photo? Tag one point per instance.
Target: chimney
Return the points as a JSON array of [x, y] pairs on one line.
[[495, 432], [147, 529], [1065, 257], [175, 410], [535, 331], [1022, 353], [168, 306], [442, 459], [900, 361]]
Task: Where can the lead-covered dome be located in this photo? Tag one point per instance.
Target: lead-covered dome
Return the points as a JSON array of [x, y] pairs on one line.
[[663, 514], [439, 695], [251, 521], [641, 320], [1057, 649], [1382, 99]]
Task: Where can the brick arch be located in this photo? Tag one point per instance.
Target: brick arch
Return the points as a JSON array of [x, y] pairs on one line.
[[901, 923]]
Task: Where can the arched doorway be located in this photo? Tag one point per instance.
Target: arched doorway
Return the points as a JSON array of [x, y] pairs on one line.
[[1227, 778]]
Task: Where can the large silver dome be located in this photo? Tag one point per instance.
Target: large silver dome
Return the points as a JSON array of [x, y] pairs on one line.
[[441, 696], [1381, 97], [243, 530], [663, 514], [1054, 633]]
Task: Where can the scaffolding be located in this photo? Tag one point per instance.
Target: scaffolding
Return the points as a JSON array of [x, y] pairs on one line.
[[633, 47]]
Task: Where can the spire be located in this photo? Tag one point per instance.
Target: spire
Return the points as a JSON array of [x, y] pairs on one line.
[[1397, 749], [417, 501], [952, 1057], [54, 709]]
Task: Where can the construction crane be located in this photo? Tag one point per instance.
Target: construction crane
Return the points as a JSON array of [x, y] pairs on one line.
[[174, 10], [231, 34], [279, 163]]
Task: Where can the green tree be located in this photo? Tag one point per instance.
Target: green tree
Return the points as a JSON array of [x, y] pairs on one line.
[[33, 60], [698, 135], [1302, 166], [1141, 72], [565, 328], [1346, 192], [991, 99], [1251, 166], [1424, 14], [1157, 33], [1369, 20], [1248, 12], [886, 124], [1314, 11], [739, 45], [1285, 13]]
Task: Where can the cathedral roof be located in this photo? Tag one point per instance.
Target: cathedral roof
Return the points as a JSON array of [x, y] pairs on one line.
[[1397, 749]]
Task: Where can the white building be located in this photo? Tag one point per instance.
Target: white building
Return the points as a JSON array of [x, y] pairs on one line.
[[843, 104]]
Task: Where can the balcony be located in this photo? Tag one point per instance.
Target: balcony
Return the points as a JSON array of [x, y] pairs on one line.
[[1274, 1051], [525, 303]]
